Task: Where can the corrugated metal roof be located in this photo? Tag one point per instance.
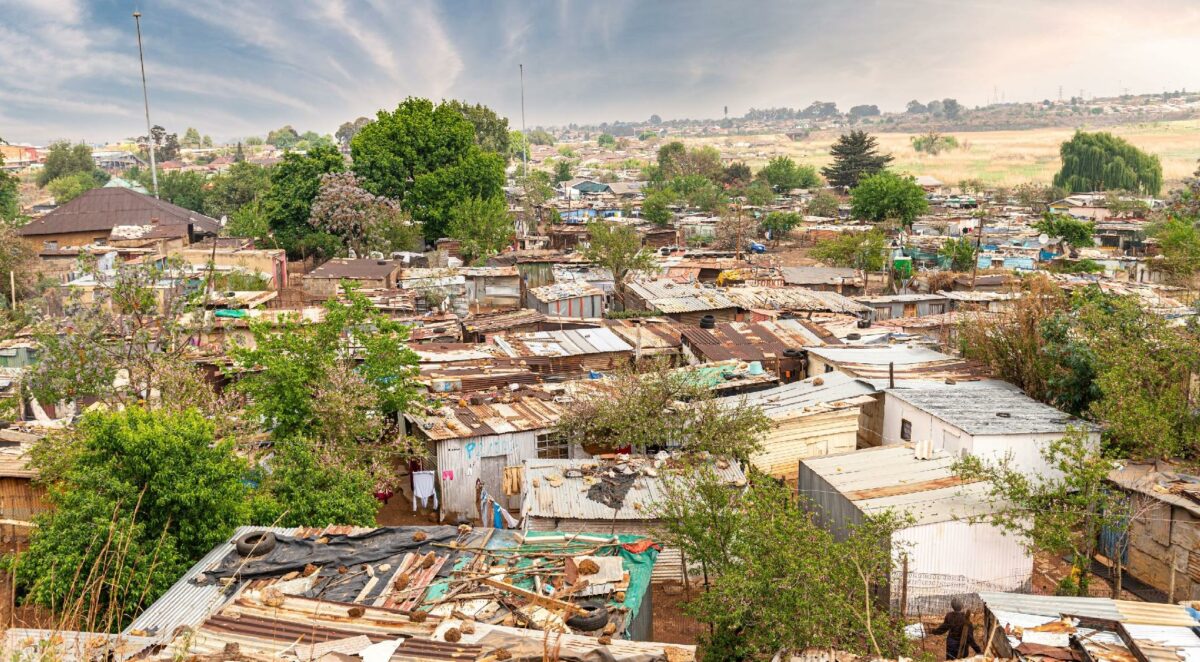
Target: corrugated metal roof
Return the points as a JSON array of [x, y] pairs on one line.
[[1008, 410], [793, 298], [491, 322], [570, 500], [755, 341], [568, 342], [71, 646], [835, 390], [1176, 488], [886, 478], [501, 413], [668, 296], [820, 275], [900, 298], [561, 291], [910, 362], [358, 268]]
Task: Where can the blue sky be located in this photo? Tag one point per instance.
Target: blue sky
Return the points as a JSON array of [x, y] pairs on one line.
[[231, 68]]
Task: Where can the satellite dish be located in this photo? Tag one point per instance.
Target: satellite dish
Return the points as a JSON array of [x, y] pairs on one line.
[[1043, 238]]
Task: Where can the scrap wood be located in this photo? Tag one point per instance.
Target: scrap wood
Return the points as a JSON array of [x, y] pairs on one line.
[[541, 600]]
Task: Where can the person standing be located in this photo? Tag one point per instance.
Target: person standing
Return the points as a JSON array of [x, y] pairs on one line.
[[960, 634]]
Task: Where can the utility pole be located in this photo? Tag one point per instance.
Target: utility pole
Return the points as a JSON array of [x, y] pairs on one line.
[[137, 20], [524, 149], [978, 244]]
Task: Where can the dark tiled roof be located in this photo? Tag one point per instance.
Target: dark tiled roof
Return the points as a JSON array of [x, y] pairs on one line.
[[105, 208]]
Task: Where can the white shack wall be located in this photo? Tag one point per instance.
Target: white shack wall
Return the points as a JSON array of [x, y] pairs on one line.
[[460, 464], [952, 557], [924, 426]]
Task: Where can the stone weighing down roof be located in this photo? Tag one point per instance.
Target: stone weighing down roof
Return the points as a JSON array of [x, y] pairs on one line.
[[568, 342], [486, 415], [102, 209], [359, 268], [793, 299]]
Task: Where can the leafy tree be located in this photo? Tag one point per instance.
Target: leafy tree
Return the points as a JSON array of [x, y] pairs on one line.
[[235, 188], [656, 206], [251, 221], [68, 187], [737, 175], [859, 112], [285, 137], [186, 189], [295, 182], [885, 196], [783, 174], [562, 171], [618, 248], [1185, 201], [18, 258], [517, 145], [541, 137], [253, 141], [426, 157], [660, 408], [65, 159], [775, 578], [824, 204], [291, 361], [191, 137], [758, 194], [916, 108], [699, 192], [951, 108], [606, 140], [482, 227], [959, 253], [206, 141], [676, 160], [166, 145], [10, 194], [491, 130], [1179, 241], [855, 156], [1037, 196], [347, 130], [137, 498], [361, 219], [302, 488], [1102, 161], [780, 223], [1125, 204], [934, 143], [1062, 510], [1070, 230], [860, 250]]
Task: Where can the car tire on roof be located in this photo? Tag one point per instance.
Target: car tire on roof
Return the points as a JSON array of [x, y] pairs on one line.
[[255, 543], [595, 618]]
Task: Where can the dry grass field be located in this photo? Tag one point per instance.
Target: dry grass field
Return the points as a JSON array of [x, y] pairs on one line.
[[1000, 158]]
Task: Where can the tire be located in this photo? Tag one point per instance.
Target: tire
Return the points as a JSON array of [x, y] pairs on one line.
[[258, 543], [595, 618]]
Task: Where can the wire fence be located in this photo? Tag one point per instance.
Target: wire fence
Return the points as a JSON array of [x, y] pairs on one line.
[[929, 594]]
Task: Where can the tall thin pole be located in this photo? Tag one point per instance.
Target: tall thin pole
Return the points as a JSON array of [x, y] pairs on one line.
[[137, 20], [524, 146]]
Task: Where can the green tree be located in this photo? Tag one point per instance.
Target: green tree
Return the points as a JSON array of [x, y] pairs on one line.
[[425, 156], [776, 579], [656, 206], [10, 194], [1062, 509], [934, 143], [855, 156], [737, 175], [1102, 161], [65, 159], [191, 137], [295, 182], [541, 137], [233, 189], [700, 192], [491, 130], [783, 174], [606, 140], [347, 130], [17, 258], [285, 137], [251, 221], [1179, 241], [253, 141], [676, 160], [824, 204], [68, 187], [618, 248], [1070, 230], [959, 253], [657, 407], [302, 488], [888, 196], [780, 223], [562, 171], [758, 194], [186, 189], [206, 141], [860, 250], [482, 227], [137, 498]]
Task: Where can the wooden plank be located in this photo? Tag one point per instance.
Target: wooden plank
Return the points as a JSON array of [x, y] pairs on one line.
[[540, 600]]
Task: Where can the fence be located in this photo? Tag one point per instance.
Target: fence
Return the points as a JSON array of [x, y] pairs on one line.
[[927, 594]]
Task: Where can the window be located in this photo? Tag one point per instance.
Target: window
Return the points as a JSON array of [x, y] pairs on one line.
[[49, 245], [883, 313], [906, 429], [828, 368], [937, 308], [551, 447]]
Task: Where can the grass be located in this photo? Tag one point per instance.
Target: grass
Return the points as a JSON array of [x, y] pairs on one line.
[[1000, 158]]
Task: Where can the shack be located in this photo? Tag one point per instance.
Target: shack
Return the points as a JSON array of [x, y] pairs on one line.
[[777, 344], [810, 418], [325, 281], [477, 439], [904, 305], [567, 300], [942, 552], [1161, 547], [569, 353], [843, 280], [684, 302]]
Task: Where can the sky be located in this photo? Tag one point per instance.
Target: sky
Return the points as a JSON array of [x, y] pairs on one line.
[[233, 68]]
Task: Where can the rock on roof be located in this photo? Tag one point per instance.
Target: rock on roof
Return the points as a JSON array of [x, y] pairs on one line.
[[1007, 410], [106, 208], [359, 268]]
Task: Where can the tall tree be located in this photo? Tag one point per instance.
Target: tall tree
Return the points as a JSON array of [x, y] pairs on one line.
[[186, 189], [10, 193], [1102, 161], [482, 227], [426, 157], [191, 137], [346, 132], [855, 156], [656, 206], [491, 130], [1070, 230], [231, 190], [68, 187], [618, 248], [295, 182], [888, 196], [860, 250], [360, 218], [959, 253], [783, 174], [64, 159], [285, 137]]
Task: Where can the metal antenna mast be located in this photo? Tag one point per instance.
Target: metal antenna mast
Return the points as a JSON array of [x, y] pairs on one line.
[[137, 20], [525, 144]]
